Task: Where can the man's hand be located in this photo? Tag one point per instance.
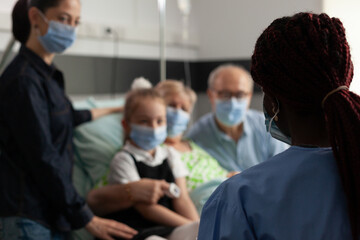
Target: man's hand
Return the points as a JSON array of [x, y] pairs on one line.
[[105, 228]]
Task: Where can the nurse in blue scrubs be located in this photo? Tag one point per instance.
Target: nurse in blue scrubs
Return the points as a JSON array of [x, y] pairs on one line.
[[312, 190]]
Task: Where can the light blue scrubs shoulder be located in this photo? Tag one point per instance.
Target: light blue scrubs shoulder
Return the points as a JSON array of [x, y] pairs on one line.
[[255, 145], [295, 195]]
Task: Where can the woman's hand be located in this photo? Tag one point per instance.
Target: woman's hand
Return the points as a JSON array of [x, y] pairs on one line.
[[148, 190], [100, 112], [106, 228]]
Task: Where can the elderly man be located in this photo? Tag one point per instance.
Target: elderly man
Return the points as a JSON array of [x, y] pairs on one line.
[[233, 134]]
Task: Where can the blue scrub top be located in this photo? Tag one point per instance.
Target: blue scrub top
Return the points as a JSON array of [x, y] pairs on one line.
[[295, 195], [255, 145]]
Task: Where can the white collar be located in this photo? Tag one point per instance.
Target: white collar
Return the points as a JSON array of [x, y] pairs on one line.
[[143, 156]]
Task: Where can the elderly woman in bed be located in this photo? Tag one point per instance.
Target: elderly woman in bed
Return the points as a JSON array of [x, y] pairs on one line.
[[180, 101]]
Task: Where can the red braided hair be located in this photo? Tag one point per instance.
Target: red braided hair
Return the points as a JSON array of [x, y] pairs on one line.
[[299, 60]]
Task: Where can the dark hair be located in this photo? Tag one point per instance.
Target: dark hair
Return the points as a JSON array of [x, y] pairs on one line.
[[299, 60], [20, 18]]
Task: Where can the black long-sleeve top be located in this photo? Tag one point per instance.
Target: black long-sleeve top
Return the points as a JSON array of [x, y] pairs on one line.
[[36, 149]]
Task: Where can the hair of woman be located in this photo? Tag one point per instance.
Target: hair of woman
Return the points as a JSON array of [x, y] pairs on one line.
[[170, 87], [20, 20]]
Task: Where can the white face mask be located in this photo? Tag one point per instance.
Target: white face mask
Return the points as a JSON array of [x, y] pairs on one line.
[[147, 138], [58, 37], [231, 112], [177, 121]]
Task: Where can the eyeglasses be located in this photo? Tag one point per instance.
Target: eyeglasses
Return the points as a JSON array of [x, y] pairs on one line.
[[227, 95]]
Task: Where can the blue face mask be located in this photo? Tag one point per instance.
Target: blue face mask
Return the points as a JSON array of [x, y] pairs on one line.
[[273, 129], [58, 37], [177, 121], [231, 112], [147, 138]]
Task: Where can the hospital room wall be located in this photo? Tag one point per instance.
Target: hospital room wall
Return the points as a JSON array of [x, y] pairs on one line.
[[220, 31], [228, 30], [348, 12], [239, 23], [122, 29]]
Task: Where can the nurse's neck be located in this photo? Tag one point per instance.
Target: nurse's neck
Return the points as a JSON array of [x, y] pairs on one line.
[[307, 129], [34, 45]]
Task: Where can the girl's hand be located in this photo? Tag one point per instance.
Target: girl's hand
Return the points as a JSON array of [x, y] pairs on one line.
[[230, 174], [148, 190], [106, 228]]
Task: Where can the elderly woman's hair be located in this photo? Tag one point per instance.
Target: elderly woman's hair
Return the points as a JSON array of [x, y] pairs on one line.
[[172, 87], [300, 60], [215, 73]]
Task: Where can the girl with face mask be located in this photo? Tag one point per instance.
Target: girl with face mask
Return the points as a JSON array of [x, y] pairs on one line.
[[143, 156], [37, 121]]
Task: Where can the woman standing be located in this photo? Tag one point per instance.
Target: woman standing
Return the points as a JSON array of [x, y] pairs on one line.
[[38, 200]]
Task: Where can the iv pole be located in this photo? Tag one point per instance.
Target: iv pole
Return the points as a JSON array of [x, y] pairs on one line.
[[185, 7], [162, 11]]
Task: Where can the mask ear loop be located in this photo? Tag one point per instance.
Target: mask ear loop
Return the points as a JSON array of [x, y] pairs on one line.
[[275, 117], [276, 112], [43, 16], [45, 20]]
